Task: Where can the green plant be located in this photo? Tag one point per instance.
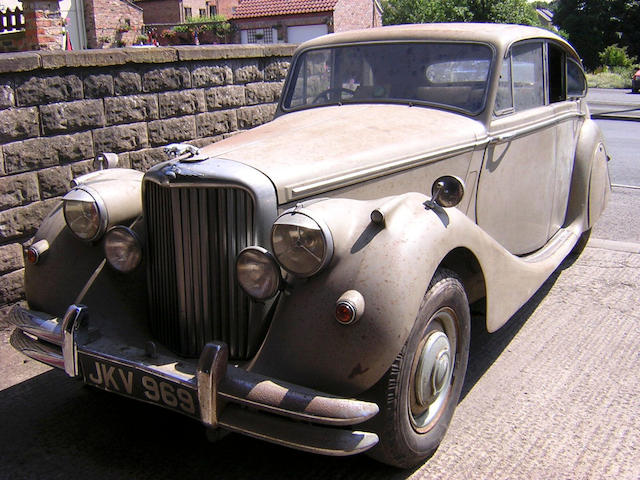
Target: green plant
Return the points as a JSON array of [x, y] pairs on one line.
[[608, 80], [124, 25], [615, 56]]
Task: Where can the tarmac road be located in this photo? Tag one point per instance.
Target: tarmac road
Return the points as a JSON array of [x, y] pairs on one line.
[[553, 394]]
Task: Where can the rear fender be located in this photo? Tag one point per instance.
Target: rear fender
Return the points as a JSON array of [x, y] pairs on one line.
[[590, 183]]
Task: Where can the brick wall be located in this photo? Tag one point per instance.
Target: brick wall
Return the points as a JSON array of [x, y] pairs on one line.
[[226, 7], [112, 23], [13, 42], [58, 110], [355, 14], [161, 11]]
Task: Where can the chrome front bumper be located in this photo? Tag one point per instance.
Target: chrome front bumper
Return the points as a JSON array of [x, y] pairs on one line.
[[226, 396]]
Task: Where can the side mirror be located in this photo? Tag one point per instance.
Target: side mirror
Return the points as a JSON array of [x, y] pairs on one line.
[[447, 191]]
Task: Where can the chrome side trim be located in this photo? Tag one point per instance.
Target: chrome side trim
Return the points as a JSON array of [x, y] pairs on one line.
[[509, 135], [304, 190], [70, 324]]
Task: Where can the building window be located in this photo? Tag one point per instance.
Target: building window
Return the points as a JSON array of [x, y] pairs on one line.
[[187, 12], [202, 12], [213, 10], [260, 35]]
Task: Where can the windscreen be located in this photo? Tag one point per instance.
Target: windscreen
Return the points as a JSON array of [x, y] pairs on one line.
[[450, 75]]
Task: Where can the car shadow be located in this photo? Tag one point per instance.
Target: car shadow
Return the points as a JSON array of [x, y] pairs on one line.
[[54, 427], [485, 347]]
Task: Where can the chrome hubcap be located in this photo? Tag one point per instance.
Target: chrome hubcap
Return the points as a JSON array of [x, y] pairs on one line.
[[434, 370]]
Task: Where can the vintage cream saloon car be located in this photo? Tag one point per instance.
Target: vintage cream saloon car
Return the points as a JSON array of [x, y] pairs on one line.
[[309, 282]]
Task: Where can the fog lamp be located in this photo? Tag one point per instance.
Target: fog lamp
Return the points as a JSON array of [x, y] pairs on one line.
[[85, 213], [122, 249], [258, 273], [302, 244]]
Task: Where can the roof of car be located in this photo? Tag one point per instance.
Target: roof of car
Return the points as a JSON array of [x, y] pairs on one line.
[[501, 35]]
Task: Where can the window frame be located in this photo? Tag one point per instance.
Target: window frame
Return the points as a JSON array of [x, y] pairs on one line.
[[566, 59], [300, 59]]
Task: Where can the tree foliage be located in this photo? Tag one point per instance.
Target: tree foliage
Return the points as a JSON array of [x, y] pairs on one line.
[[615, 56], [428, 11], [593, 25]]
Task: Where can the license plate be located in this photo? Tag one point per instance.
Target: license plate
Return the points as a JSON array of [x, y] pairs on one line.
[[139, 384]]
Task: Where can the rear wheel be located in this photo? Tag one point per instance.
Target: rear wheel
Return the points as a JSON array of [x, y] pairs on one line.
[[419, 393]]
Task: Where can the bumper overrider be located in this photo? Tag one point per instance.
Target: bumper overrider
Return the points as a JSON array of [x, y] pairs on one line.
[[214, 392]]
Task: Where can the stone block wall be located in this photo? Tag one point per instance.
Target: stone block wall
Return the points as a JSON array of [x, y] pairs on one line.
[[60, 109]]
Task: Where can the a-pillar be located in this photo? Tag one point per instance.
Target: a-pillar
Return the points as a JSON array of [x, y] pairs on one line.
[[43, 25]]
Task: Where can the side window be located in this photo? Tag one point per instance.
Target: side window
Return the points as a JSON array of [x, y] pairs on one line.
[[315, 79], [557, 59], [528, 76], [504, 97], [576, 81]]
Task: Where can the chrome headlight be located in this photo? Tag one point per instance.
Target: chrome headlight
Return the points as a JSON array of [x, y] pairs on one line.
[[85, 213], [301, 243], [258, 273], [122, 249]]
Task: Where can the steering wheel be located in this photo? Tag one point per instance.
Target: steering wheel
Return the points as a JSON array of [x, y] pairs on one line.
[[326, 94]]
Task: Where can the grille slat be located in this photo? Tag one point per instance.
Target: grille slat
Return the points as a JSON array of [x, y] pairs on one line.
[[194, 236]]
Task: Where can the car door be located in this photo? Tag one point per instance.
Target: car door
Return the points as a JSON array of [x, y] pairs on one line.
[[523, 186]]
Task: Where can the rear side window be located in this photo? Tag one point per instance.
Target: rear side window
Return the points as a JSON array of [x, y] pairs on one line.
[[504, 98], [576, 81], [527, 71]]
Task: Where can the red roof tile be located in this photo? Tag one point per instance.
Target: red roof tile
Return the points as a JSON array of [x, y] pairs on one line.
[[272, 8]]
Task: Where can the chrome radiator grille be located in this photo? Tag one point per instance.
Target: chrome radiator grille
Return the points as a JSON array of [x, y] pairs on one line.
[[194, 235]]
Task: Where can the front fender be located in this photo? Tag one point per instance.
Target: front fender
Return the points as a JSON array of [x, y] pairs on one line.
[[69, 266], [390, 266]]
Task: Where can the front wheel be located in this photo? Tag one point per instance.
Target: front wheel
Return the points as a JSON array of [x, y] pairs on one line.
[[419, 393]]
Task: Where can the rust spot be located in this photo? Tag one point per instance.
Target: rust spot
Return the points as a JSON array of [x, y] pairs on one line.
[[358, 370]]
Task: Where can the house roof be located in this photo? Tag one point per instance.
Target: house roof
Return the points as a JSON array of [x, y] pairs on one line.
[[272, 8]]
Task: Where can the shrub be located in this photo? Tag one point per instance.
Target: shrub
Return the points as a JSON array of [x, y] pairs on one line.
[[608, 80], [615, 56]]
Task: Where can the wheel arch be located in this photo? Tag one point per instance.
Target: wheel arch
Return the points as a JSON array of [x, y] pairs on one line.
[[465, 264], [590, 183]]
